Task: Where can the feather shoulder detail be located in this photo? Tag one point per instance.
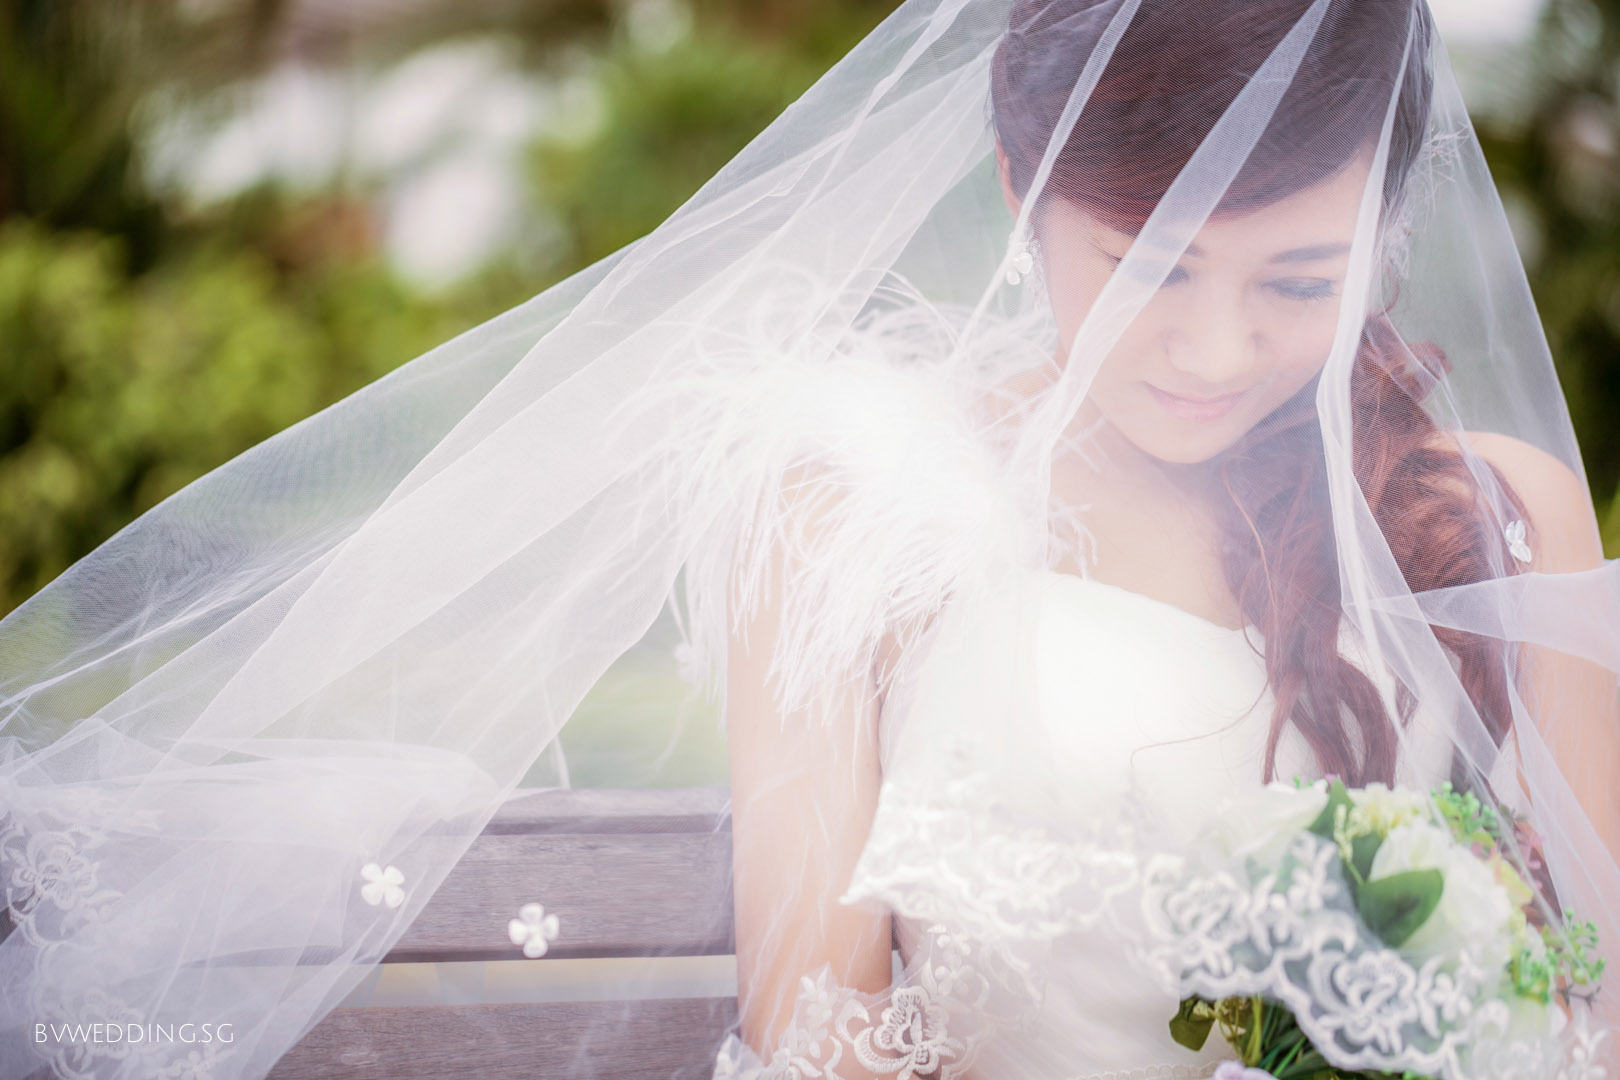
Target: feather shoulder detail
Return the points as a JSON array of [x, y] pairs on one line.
[[863, 465]]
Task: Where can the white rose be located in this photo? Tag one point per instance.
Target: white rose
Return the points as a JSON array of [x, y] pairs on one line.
[[1262, 823], [1474, 910]]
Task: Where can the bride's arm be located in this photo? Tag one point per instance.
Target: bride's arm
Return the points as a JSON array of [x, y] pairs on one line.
[[1572, 700], [804, 790]]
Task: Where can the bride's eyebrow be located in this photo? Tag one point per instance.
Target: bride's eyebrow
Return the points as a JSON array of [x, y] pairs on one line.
[[1313, 253], [1193, 250], [1310, 253]]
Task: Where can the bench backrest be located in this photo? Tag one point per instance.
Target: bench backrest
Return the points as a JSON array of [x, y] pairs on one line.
[[643, 873]]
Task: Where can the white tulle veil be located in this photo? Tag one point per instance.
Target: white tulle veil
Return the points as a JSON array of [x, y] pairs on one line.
[[839, 380]]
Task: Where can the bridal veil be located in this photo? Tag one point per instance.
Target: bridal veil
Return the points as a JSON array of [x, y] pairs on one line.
[[853, 374]]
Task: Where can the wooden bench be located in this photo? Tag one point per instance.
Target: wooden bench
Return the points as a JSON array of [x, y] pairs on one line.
[[629, 874]]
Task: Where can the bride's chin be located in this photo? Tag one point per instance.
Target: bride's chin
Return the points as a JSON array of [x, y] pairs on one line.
[[1142, 431], [1171, 442]]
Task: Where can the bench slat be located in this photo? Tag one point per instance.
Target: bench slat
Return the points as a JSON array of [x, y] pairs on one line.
[[672, 1037], [613, 810], [637, 894]]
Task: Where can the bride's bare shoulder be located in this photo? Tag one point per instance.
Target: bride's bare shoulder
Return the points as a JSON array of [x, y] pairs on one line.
[[1554, 496]]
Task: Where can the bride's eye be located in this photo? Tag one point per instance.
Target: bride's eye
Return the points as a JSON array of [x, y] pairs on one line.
[[1175, 277], [1302, 288]]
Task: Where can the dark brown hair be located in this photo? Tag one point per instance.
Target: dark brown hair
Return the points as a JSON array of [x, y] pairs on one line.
[[1177, 67]]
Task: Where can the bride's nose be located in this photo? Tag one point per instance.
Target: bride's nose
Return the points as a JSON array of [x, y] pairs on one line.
[[1210, 340]]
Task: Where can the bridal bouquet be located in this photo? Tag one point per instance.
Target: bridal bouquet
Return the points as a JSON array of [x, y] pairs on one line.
[[1341, 932]]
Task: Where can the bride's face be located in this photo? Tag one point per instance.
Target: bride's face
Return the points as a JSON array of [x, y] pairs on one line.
[[1243, 322]]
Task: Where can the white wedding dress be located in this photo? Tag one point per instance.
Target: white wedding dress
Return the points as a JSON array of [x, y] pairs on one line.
[[1133, 695]]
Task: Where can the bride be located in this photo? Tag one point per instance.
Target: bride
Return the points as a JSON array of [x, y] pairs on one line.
[[1067, 417], [1198, 639]]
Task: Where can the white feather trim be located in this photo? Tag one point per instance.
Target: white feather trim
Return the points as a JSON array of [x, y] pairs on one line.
[[866, 465]]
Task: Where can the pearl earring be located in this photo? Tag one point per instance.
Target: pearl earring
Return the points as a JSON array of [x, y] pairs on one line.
[[1020, 256]]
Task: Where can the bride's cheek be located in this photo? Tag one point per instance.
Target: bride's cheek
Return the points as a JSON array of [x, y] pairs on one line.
[[1300, 369], [1071, 291], [1302, 349]]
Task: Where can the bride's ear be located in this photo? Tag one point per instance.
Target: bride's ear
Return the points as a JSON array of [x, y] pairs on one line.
[[1013, 201]]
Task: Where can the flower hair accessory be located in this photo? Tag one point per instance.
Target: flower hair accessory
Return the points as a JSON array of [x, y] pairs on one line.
[[1515, 535]]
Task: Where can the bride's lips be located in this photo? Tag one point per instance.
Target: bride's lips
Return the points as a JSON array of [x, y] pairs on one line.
[[1194, 408]]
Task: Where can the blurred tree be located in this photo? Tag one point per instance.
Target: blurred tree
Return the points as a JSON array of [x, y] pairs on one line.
[[672, 119], [65, 97], [144, 346], [118, 392], [1557, 158], [820, 30]]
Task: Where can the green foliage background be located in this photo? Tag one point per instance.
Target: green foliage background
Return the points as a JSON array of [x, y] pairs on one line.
[[143, 343]]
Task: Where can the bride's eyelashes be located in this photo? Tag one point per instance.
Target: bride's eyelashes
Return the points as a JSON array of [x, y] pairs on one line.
[[1303, 288], [1291, 288]]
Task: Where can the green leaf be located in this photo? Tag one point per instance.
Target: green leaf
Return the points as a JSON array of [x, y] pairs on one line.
[[1362, 850], [1394, 907], [1337, 797], [1191, 1024]]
